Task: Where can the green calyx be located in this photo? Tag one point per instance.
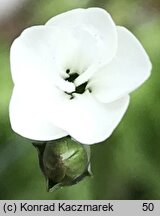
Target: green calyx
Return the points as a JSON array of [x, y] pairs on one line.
[[63, 162]]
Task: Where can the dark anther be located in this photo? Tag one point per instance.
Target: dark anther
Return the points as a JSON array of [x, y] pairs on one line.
[[72, 97], [67, 71], [90, 90], [81, 89], [72, 77]]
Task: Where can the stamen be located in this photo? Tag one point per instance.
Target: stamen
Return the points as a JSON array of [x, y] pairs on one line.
[[81, 89], [72, 77], [90, 90], [67, 71]]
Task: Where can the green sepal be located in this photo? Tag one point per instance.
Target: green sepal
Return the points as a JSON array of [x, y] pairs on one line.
[[63, 162]]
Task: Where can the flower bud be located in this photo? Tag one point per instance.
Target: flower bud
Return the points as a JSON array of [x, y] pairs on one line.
[[63, 162]]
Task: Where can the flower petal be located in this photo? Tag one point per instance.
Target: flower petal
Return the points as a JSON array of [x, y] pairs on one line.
[[127, 71], [43, 54], [79, 51], [94, 20], [31, 54], [87, 120], [34, 57], [28, 114]]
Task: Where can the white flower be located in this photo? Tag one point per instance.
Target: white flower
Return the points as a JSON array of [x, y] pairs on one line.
[[73, 75]]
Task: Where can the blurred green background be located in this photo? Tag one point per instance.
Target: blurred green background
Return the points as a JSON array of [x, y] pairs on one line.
[[127, 165]]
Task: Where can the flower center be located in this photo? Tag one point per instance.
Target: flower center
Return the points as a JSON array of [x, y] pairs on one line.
[[79, 89]]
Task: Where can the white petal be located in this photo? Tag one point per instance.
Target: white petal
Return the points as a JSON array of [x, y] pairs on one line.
[[94, 20], [87, 120], [28, 114], [35, 57], [127, 71], [31, 55], [79, 50]]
